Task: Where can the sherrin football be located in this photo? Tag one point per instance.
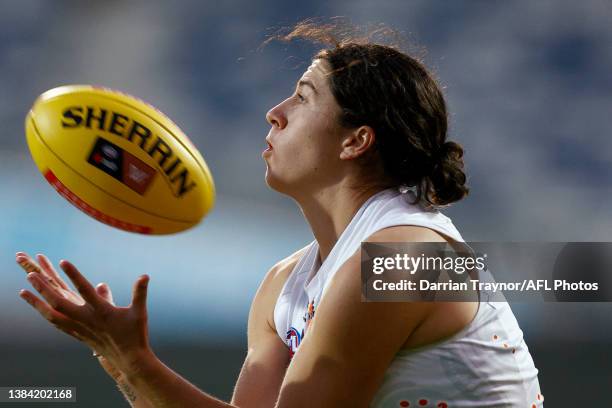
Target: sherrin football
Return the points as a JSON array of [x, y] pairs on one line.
[[119, 160]]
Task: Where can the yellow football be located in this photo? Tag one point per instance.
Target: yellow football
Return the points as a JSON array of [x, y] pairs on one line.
[[119, 159]]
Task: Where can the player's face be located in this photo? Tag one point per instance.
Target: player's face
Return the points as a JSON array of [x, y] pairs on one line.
[[304, 142]]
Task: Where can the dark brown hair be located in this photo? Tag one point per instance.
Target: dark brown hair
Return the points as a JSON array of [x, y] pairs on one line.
[[393, 93]]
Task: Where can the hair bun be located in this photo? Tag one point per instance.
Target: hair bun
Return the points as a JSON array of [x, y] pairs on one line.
[[446, 183]]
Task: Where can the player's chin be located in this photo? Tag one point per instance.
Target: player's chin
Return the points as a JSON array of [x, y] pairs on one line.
[[275, 182], [271, 181]]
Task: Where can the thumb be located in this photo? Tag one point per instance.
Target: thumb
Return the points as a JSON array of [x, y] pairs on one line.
[[139, 293]]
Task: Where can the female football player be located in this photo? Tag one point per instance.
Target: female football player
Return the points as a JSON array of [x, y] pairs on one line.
[[361, 146]]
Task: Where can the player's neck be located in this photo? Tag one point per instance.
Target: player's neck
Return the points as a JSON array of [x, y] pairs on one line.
[[330, 210]]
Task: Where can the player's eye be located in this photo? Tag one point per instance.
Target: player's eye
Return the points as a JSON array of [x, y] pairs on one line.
[[300, 97]]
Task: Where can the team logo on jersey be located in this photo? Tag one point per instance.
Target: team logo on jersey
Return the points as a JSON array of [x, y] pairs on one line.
[[293, 339]]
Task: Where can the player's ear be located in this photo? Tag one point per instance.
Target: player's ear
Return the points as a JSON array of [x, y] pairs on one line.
[[357, 142]]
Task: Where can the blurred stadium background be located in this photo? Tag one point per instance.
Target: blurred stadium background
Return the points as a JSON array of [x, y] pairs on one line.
[[530, 95]]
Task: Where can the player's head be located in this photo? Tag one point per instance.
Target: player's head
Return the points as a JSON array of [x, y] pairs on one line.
[[363, 114]]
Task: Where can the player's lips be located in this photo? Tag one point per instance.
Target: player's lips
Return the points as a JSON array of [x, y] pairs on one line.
[[269, 148]]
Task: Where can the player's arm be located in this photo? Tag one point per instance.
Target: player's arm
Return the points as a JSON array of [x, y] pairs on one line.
[[267, 358], [264, 367], [350, 344]]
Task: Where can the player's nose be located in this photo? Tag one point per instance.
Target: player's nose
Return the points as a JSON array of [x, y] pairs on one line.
[[276, 117]]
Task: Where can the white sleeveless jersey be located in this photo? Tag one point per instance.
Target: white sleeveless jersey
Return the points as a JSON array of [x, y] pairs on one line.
[[486, 364]]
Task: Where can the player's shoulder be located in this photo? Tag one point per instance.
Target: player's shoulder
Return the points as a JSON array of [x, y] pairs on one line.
[[406, 233], [279, 273], [271, 287], [275, 278]]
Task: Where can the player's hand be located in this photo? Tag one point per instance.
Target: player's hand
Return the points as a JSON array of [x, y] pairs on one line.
[[45, 268], [119, 335]]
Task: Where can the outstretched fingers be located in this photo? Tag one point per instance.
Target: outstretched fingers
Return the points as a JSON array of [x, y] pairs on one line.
[[28, 264], [52, 296], [47, 266], [81, 284]]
